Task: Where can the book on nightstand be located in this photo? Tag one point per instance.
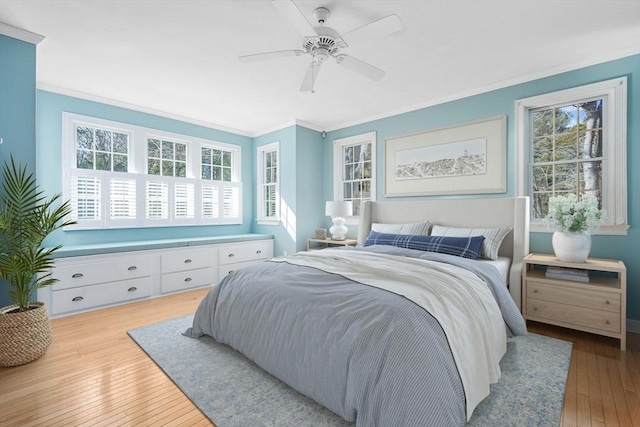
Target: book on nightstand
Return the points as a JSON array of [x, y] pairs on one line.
[[565, 273]]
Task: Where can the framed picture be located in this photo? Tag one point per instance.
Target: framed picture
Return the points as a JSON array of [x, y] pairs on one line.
[[469, 158]]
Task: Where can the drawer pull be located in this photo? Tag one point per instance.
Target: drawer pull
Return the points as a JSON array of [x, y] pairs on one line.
[[258, 251], [535, 291], [132, 289], [607, 302], [187, 261], [75, 299], [606, 322], [231, 272], [77, 275], [535, 308], [188, 279], [231, 255], [132, 268]]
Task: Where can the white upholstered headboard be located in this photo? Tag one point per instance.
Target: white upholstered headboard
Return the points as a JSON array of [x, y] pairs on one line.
[[469, 213]]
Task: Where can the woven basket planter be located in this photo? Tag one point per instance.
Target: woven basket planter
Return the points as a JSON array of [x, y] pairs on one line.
[[24, 336]]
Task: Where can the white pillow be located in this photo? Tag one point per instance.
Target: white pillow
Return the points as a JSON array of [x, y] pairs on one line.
[[416, 228], [493, 237]]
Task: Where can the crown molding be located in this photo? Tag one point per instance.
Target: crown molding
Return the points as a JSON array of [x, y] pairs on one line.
[[295, 122], [121, 104], [20, 34]]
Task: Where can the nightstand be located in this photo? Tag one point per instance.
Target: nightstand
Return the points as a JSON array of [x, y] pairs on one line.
[[313, 244], [598, 306]]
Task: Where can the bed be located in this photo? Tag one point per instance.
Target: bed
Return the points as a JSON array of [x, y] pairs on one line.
[[385, 334]]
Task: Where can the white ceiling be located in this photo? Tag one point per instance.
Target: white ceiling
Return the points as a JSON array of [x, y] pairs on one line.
[[180, 58]]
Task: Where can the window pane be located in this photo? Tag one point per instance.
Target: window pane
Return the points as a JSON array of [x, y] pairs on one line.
[[366, 190], [181, 152], [347, 190], [348, 172], [103, 161], [565, 177], [120, 142], [566, 146], [591, 114], [167, 167], [206, 172], [120, 163], [153, 167], [84, 159], [566, 118], [542, 149], [366, 172], [181, 169], [226, 174], [540, 204], [103, 140], [153, 149], [591, 176], [217, 174], [356, 153], [542, 122], [226, 159], [216, 159], [543, 178], [206, 156], [84, 138], [167, 150], [348, 154]]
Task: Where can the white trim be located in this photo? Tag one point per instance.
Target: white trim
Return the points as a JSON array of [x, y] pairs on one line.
[[260, 151], [138, 171], [295, 122], [122, 104], [615, 92], [338, 144], [20, 34]]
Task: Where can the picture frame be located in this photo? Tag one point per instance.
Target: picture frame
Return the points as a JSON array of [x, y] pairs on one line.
[[466, 158]]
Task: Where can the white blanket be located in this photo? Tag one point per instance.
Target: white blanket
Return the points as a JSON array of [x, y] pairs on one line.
[[460, 301]]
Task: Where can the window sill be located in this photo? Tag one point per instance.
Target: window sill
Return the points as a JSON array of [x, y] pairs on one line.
[[268, 221], [605, 230]]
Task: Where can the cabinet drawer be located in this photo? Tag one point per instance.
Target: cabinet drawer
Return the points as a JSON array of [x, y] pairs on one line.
[[251, 251], [225, 270], [86, 297], [569, 315], [587, 298], [192, 259], [79, 274], [181, 280]]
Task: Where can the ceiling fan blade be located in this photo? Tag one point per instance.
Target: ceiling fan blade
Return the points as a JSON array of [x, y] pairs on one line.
[[290, 11], [382, 27], [361, 67], [270, 55], [309, 81]]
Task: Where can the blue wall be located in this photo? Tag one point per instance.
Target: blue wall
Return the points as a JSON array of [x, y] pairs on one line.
[[301, 187], [502, 101], [17, 109], [50, 107]]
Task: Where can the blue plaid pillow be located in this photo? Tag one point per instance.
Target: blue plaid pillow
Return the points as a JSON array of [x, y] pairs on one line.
[[465, 247]]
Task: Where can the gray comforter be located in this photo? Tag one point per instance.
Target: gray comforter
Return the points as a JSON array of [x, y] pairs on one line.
[[365, 353]]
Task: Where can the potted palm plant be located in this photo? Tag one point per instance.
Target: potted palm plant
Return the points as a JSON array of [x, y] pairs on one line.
[[26, 218]]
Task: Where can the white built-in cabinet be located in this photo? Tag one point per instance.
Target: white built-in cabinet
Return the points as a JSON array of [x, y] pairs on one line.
[[89, 282]]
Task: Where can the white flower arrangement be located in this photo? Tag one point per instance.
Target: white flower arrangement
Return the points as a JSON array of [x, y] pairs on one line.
[[567, 213]]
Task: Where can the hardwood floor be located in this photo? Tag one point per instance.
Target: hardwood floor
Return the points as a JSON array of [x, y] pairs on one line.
[[94, 374]]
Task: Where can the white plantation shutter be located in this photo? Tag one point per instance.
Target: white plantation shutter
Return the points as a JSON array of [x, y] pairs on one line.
[[122, 196], [230, 201], [184, 201], [210, 201], [85, 198], [156, 200]]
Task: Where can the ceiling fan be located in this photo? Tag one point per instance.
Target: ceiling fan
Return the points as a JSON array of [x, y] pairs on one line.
[[322, 42]]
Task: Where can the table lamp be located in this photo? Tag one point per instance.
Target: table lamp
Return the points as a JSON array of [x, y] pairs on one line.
[[337, 210]]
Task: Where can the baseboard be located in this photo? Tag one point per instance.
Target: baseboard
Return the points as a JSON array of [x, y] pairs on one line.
[[633, 326]]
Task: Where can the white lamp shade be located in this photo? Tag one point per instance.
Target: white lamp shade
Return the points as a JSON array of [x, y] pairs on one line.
[[339, 208]]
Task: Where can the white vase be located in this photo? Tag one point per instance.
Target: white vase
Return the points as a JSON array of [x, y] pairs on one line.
[[571, 246]]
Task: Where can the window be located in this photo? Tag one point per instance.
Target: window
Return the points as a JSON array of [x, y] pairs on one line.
[[354, 169], [268, 188], [119, 175], [574, 141]]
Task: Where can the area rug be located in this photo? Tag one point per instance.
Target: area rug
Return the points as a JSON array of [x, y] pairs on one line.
[[232, 391]]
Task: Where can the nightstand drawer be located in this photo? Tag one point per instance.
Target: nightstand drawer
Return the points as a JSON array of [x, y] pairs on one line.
[[586, 298], [569, 315]]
